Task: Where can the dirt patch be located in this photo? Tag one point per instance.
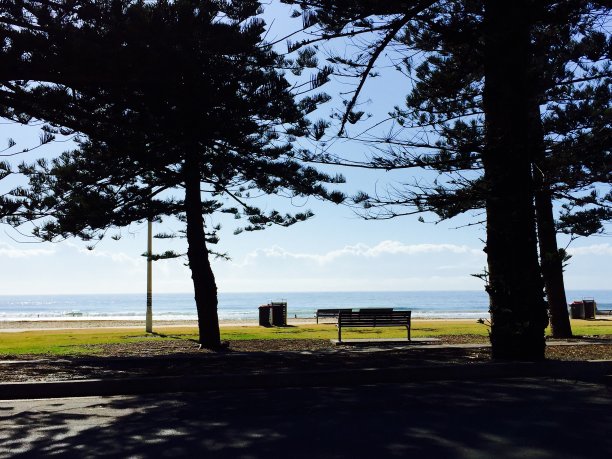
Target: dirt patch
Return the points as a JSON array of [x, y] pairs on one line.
[[182, 357]]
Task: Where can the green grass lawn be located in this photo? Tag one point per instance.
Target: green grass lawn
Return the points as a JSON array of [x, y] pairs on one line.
[[74, 342]]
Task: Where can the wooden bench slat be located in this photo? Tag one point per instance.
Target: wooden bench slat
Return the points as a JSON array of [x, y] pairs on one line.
[[333, 312]]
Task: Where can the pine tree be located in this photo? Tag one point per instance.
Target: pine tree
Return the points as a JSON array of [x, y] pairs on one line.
[[572, 156], [507, 146], [183, 98]]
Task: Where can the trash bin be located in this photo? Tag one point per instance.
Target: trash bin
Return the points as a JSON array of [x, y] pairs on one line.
[[589, 308], [265, 312], [279, 313], [577, 310]]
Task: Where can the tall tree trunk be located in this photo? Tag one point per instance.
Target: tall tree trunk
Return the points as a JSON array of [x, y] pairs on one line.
[[552, 264], [518, 310], [550, 261], [204, 284]]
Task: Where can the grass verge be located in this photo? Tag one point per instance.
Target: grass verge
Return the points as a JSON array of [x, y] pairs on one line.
[[81, 341]]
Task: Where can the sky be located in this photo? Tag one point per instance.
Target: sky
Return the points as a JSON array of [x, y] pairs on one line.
[[334, 251]]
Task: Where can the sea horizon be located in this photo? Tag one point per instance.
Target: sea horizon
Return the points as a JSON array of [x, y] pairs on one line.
[[280, 291], [237, 306]]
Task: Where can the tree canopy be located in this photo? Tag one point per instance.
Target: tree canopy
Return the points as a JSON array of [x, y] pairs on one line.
[[571, 77], [170, 96], [476, 89]]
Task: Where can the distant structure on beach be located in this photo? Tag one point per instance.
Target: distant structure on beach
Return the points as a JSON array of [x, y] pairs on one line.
[[273, 314]]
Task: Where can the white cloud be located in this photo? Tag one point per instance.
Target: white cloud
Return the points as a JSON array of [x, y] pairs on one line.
[[119, 257], [595, 249], [343, 284], [9, 251], [361, 250]]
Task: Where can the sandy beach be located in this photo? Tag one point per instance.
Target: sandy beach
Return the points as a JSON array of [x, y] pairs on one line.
[[76, 323], [62, 324], [7, 326]]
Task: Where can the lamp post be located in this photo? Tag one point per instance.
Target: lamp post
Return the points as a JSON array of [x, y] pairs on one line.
[[149, 317]]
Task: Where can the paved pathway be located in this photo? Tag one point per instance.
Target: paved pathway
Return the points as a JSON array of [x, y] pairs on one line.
[[523, 417]]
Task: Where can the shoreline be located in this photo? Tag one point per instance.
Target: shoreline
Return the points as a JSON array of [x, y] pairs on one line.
[[72, 323], [15, 326]]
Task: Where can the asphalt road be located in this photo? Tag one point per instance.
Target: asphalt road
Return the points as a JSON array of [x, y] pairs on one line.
[[527, 417]]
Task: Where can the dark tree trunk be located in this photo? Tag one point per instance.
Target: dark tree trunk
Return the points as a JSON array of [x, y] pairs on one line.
[[204, 284], [518, 310], [552, 264], [550, 261]]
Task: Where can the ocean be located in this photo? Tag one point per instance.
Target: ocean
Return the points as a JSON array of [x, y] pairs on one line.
[[244, 306]]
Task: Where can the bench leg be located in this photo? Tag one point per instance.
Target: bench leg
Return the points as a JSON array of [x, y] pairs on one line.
[[339, 334], [408, 328]]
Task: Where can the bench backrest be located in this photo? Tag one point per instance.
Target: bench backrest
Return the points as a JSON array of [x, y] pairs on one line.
[[374, 318], [330, 312], [374, 310]]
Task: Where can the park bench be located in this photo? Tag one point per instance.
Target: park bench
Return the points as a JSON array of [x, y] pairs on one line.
[[373, 318]]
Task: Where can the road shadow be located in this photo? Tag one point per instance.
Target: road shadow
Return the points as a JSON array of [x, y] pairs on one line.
[[541, 418]]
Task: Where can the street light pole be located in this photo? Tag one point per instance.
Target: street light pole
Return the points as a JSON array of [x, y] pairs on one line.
[[149, 320]]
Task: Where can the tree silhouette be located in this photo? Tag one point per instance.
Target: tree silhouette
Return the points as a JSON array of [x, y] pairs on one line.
[[508, 144], [177, 101], [571, 78]]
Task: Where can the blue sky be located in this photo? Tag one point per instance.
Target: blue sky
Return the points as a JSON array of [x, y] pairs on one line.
[[334, 251]]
